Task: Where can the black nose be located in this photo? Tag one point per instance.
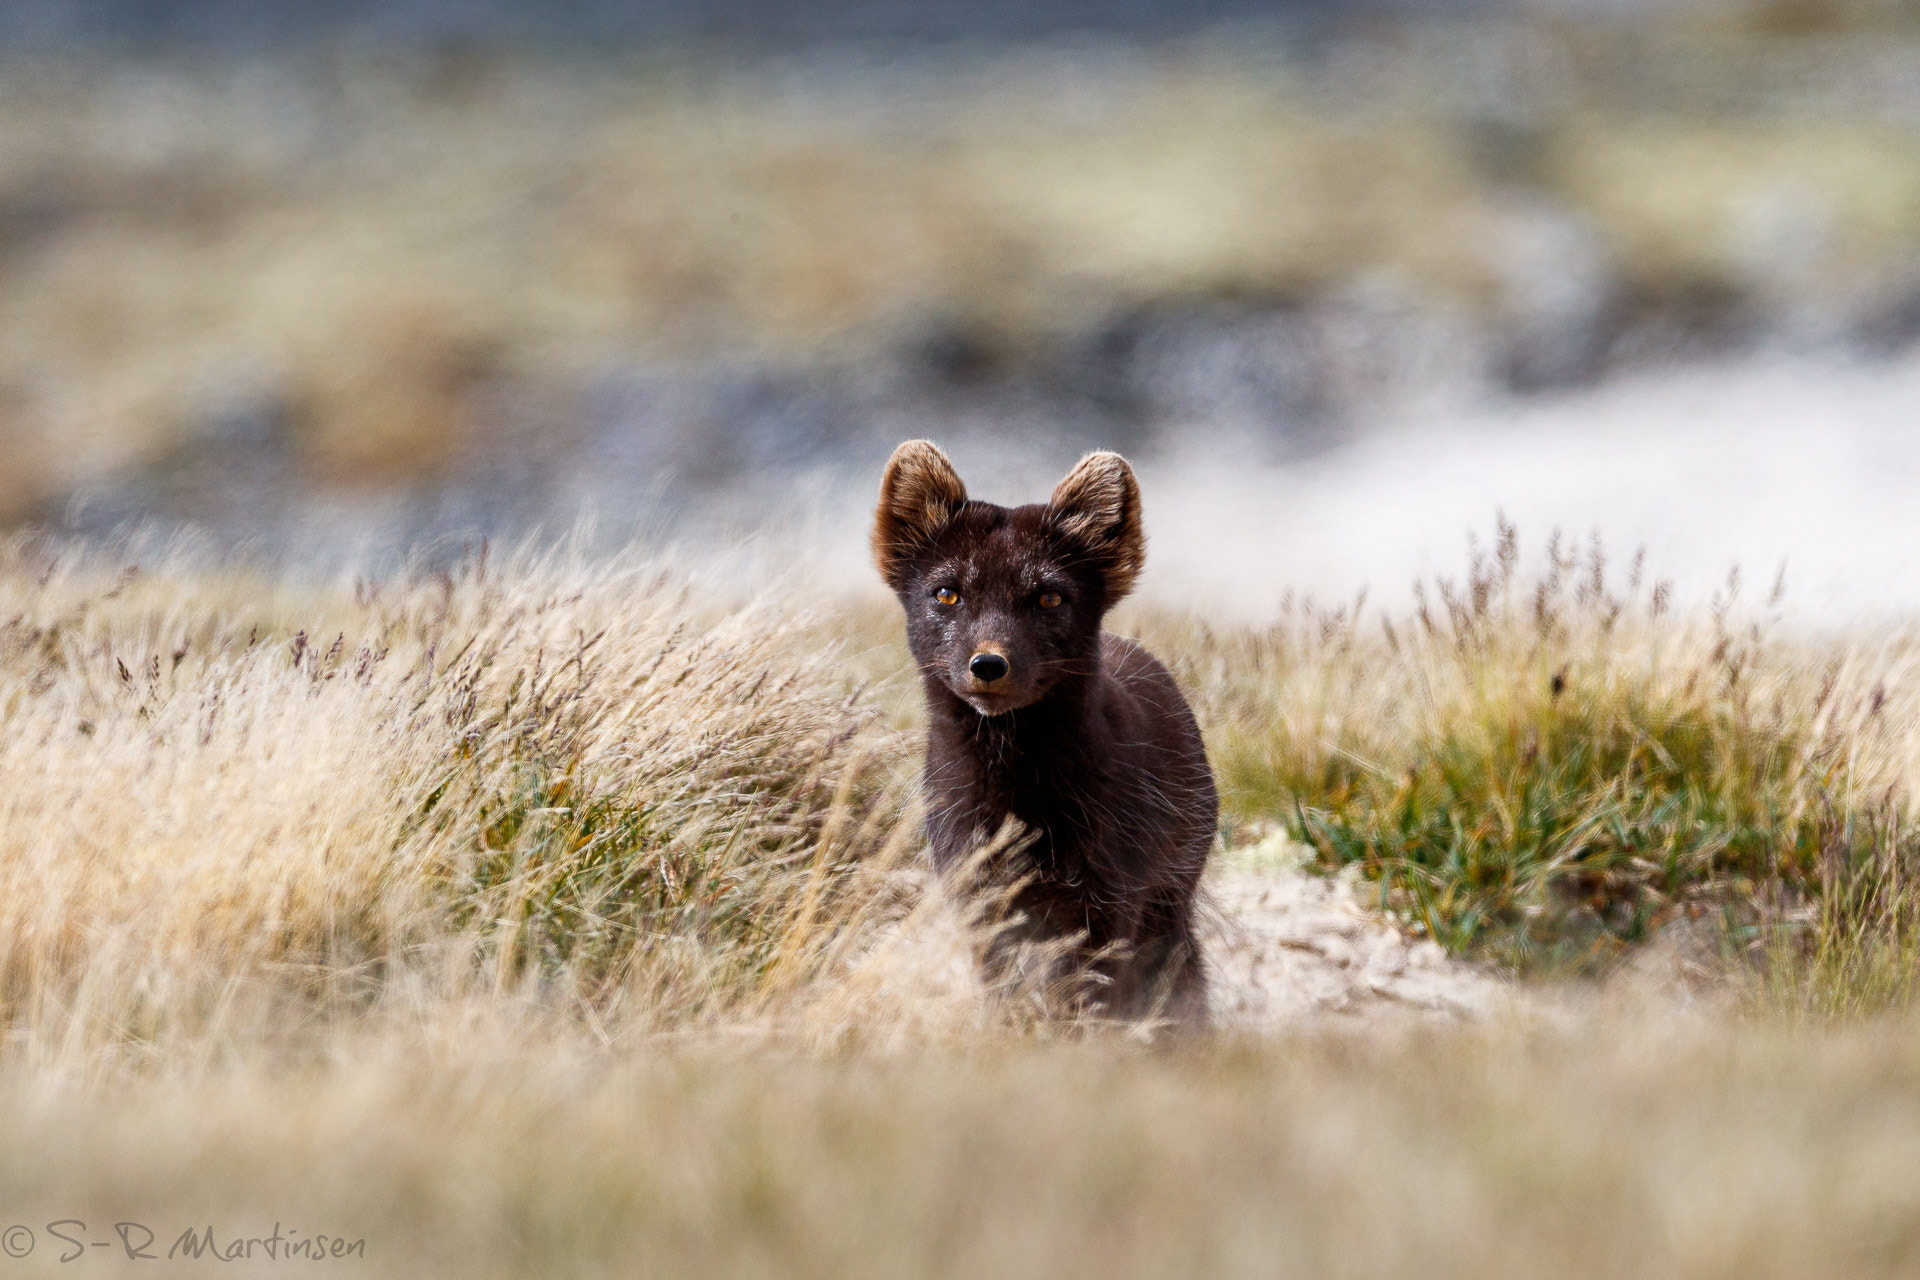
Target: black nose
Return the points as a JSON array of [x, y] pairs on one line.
[[987, 667]]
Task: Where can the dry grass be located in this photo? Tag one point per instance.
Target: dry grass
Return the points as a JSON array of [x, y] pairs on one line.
[[550, 917], [583, 783], [494, 1147]]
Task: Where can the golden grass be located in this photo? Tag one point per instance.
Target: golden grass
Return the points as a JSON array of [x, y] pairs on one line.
[[581, 780], [557, 917]]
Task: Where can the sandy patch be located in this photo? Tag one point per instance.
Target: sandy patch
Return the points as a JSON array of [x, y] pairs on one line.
[[1285, 946]]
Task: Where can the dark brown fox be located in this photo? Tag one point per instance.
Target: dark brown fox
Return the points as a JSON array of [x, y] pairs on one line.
[[1037, 715]]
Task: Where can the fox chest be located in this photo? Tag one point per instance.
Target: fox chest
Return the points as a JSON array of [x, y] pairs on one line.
[[970, 800]]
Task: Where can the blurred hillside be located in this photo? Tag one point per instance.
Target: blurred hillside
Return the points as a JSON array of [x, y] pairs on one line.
[[237, 24], [454, 285]]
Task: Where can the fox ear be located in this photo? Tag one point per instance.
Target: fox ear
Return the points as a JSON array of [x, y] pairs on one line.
[[919, 494], [1098, 507]]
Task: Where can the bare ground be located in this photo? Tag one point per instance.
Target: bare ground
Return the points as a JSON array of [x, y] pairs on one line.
[[1286, 947]]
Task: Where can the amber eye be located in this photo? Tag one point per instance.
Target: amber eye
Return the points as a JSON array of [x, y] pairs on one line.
[[1050, 600], [946, 595]]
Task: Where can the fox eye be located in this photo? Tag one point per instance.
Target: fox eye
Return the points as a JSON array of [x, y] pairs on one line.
[[1049, 599], [946, 596]]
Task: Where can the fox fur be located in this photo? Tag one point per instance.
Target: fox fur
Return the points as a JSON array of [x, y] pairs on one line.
[[1035, 714]]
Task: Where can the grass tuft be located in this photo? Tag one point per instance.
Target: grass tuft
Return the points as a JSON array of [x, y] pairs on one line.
[[1549, 767]]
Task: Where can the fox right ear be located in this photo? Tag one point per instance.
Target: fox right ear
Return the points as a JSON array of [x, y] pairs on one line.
[[919, 494], [1098, 507]]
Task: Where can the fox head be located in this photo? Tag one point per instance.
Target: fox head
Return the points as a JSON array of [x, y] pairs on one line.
[[1004, 603]]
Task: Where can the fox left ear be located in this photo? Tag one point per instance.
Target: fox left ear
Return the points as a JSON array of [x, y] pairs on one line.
[[1098, 507]]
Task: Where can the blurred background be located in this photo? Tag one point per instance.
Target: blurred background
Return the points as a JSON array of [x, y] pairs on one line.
[[339, 283]]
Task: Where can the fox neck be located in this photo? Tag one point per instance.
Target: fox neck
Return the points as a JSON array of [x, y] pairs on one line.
[[1027, 749]]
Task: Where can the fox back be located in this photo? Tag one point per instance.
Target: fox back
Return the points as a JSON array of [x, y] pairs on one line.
[[1035, 714]]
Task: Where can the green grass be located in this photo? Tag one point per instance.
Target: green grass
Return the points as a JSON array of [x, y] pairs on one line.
[[1566, 835], [1549, 769]]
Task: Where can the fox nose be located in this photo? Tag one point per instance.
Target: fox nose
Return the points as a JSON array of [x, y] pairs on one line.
[[987, 667]]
